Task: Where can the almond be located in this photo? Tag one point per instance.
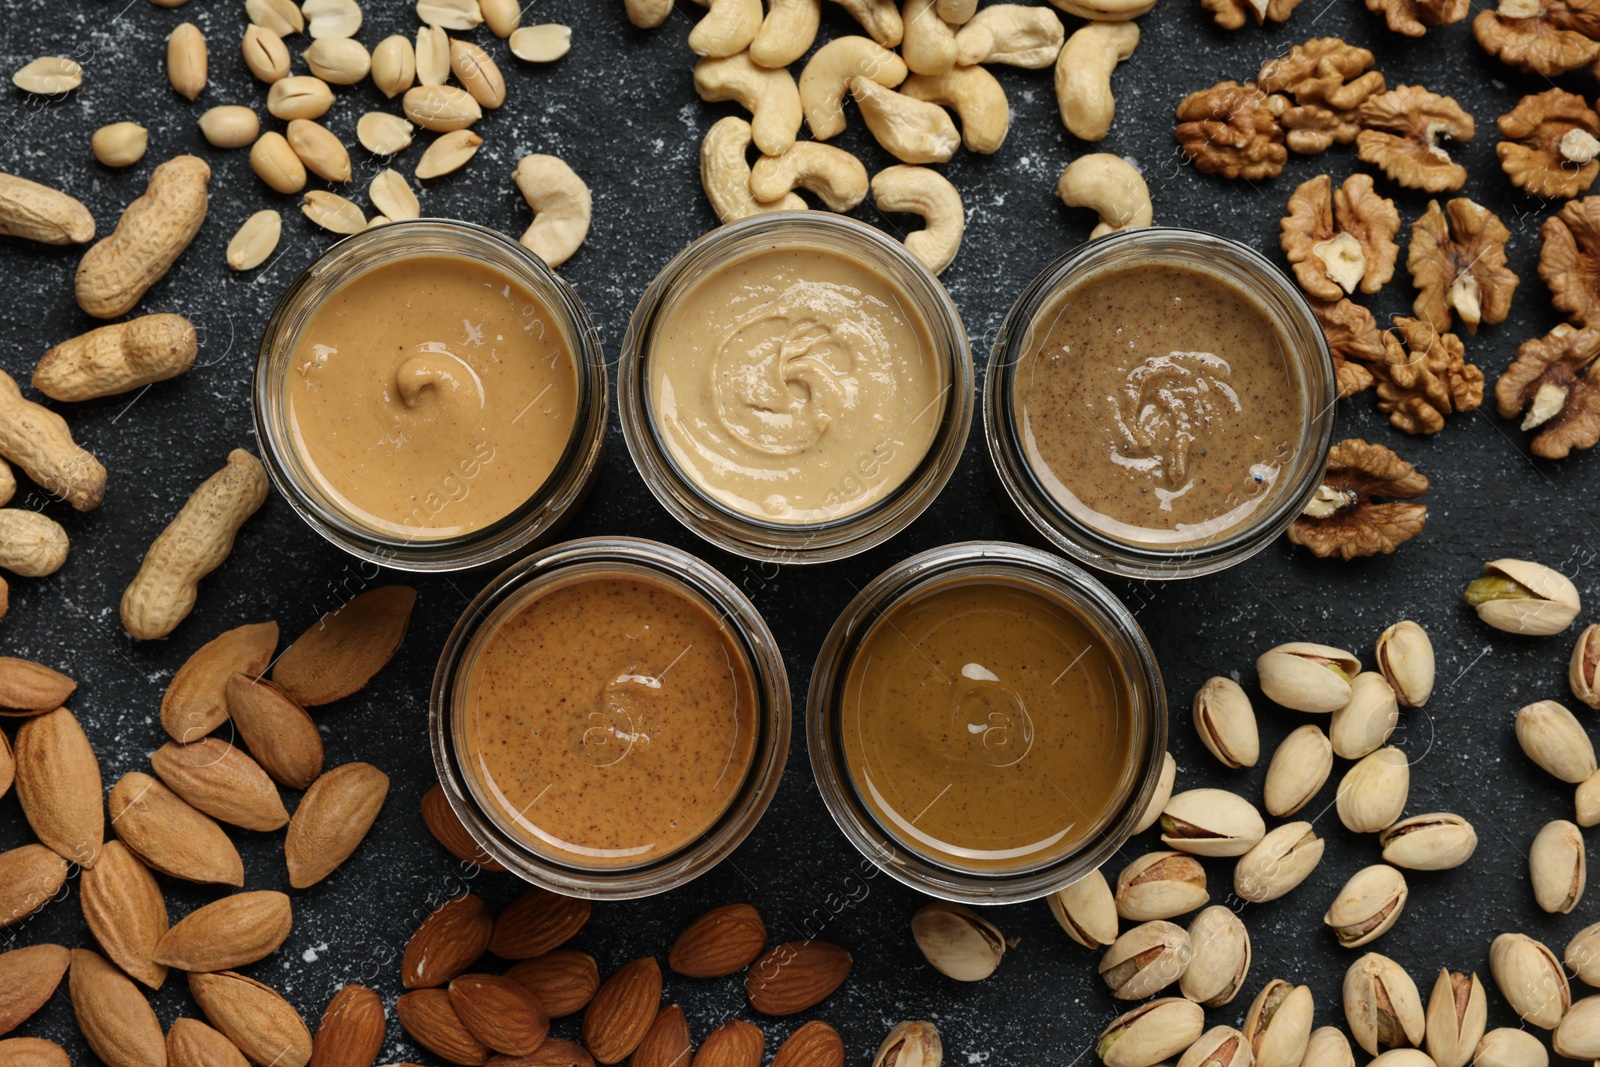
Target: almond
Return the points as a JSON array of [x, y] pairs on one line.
[[796, 976], [27, 978], [29, 877], [429, 1018], [126, 913], [816, 1044], [351, 1031], [170, 835], [254, 1017], [621, 1012], [220, 779], [446, 828], [343, 650], [280, 734], [196, 701], [191, 1043], [555, 1052], [735, 1043], [113, 1016], [447, 943], [32, 1052], [232, 932], [564, 980], [720, 942], [537, 922], [27, 688], [500, 1012], [58, 784], [666, 1043], [332, 819], [8, 762]]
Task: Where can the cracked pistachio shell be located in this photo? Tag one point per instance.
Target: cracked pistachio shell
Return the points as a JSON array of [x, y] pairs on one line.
[[1278, 1024], [1211, 822], [1161, 885], [1280, 861], [1328, 1047], [1436, 841], [1299, 768], [913, 1043], [1577, 1036], [1151, 1033], [1220, 1046], [1556, 866], [1404, 657], [1507, 1046], [1553, 738], [1220, 958], [1382, 1005], [1583, 955], [957, 942], [1163, 793], [1307, 677], [1525, 598], [1372, 794], [1530, 978], [1583, 670], [1086, 910], [1458, 1011], [1145, 960], [1226, 723], [1403, 1057], [1368, 905], [1367, 719], [1586, 801]]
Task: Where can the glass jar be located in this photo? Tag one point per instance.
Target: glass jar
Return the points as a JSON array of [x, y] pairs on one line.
[[411, 546], [465, 766], [966, 706], [1294, 477], [846, 527]]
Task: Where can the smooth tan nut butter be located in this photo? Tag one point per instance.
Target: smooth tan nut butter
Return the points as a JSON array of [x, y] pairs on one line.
[[609, 720], [796, 384], [986, 725], [431, 395], [1156, 403]]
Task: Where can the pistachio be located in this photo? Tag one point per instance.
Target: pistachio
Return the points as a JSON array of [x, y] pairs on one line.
[[448, 153], [1457, 1014], [1583, 670], [1530, 978], [913, 1043], [1146, 960], [1373, 793], [1278, 1024], [120, 144], [1577, 1036], [1161, 885], [432, 56], [255, 240], [1554, 739], [1524, 598], [319, 150], [391, 195], [957, 942], [1367, 718], [230, 126], [1086, 910], [338, 60], [1299, 768], [1368, 905], [1405, 659], [1220, 959], [1510, 1047], [1583, 955], [1556, 866], [1328, 1047], [1436, 841], [1151, 1032], [1280, 861], [1211, 822], [299, 97], [1586, 801], [1382, 1005], [1226, 724], [265, 54], [1402, 1057], [1307, 677], [1220, 1046], [333, 212], [394, 65], [383, 134], [1163, 793]]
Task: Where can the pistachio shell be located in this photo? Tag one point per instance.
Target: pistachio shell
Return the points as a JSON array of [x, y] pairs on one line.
[[1583, 955], [1530, 978], [1307, 677], [1436, 841], [1525, 598], [1145, 960], [1328, 1047], [1299, 769], [1161, 885], [1220, 959], [1583, 669], [957, 941], [1458, 1011], [1163, 793], [1278, 1024], [1220, 1046], [1510, 1047], [1086, 910], [1368, 905], [1211, 822], [1405, 659], [1586, 801], [1553, 738], [1151, 1032], [1226, 723], [1367, 718], [1382, 1005], [1373, 793], [1577, 1036], [1557, 866], [1279, 862], [1402, 1057]]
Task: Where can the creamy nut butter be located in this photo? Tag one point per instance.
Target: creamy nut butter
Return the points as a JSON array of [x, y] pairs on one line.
[[431, 395]]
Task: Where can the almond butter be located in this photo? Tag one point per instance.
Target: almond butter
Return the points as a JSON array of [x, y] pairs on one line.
[[124, 909], [191, 1043], [27, 978], [351, 1031], [220, 779], [343, 650], [500, 1012], [720, 942], [30, 876], [666, 1043], [735, 1043], [58, 784], [254, 1017], [196, 700], [816, 1044], [232, 932], [564, 980], [555, 1052], [333, 817], [32, 1052], [447, 943], [281, 736], [27, 688], [445, 826], [171, 836], [537, 922], [621, 1012], [113, 1016], [796, 976], [429, 1017]]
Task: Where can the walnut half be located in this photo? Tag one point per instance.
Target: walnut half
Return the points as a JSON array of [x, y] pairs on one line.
[[1413, 17], [1338, 240], [1229, 129], [1555, 385], [1569, 259], [1357, 510], [1457, 261], [1551, 141], [1328, 80], [1547, 37], [1424, 377], [1401, 131], [1353, 340], [1231, 14]]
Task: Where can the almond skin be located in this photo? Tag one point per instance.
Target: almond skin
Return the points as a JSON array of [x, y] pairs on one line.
[[32, 1052], [621, 1012], [537, 922], [446, 828], [796, 976], [196, 702], [279, 733], [232, 932], [351, 1031], [428, 1016], [447, 943], [343, 650], [29, 877], [220, 779], [816, 1044], [27, 978], [58, 784], [191, 1043], [333, 817], [735, 1043], [126, 913], [564, 980], [722, 941], [555, 1052], [666, 1043], [171, 836], [113, 1016], [254, 1017], [500, 1012], [8, 762], [27, 688]]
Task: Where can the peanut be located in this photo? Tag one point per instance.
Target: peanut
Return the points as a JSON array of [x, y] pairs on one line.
[[31, 544], [192, 546], [8, 483], [152, 233], [186, 60], [37, 440], [117, 358], [39, 213]]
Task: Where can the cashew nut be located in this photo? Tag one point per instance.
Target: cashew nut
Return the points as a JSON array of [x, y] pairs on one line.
[[787, 33], [911, 130], [836, 176], [1105, 10], [956, 12], [1017, 35], [725, 173], [560, 203], [880, 18], [977, 98], [1083, 75], [1112, 187], [648, 14], [929, 44], [826, 79], [770, 96], [920, 191], [727, 28]]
